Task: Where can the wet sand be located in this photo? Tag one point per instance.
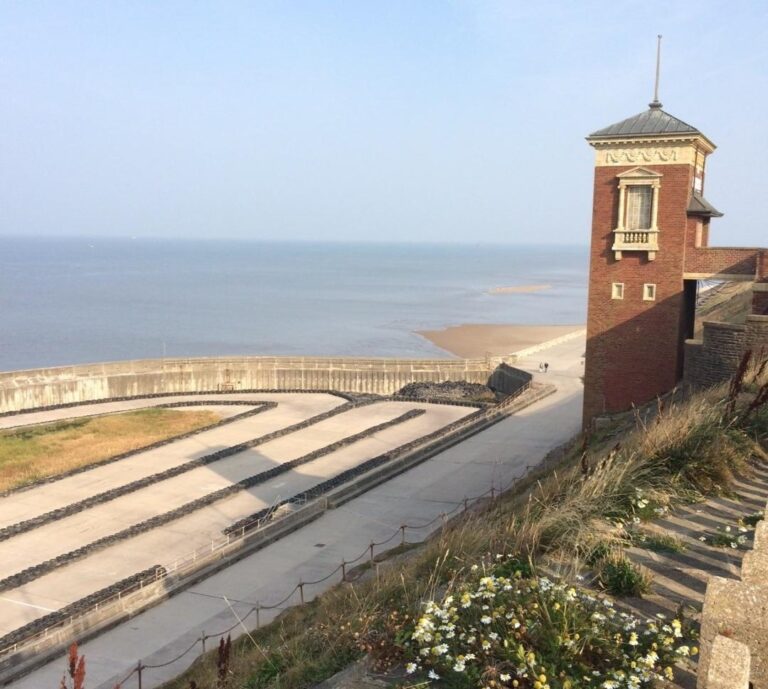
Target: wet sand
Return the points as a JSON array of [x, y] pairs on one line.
[[476, 340]]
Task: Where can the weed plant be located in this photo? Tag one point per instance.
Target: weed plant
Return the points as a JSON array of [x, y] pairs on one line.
[[619, 576]]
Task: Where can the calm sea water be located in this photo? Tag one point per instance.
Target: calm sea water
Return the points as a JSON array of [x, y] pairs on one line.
[[66, 301]]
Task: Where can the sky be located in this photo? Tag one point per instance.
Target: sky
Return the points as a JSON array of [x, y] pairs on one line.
[[412, 120]]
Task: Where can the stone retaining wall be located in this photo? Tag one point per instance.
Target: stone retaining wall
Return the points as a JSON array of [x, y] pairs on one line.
[[509, 380], [734, 624], [714, 358], [36, 388]]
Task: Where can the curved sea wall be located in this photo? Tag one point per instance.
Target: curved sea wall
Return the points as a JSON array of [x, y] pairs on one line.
[[45, 387]]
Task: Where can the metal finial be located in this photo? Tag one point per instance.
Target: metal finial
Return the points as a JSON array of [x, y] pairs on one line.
[[655, 104]]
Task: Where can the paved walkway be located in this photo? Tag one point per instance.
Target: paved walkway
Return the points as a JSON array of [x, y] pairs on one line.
[[495, 456]]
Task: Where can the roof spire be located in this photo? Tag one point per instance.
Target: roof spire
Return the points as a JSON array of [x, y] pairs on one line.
[[655, 104]]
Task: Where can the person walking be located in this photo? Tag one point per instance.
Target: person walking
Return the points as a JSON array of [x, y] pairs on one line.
[[546, 367]]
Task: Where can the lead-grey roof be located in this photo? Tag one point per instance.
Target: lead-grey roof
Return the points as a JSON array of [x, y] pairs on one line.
[[700, 206], [647, 123]]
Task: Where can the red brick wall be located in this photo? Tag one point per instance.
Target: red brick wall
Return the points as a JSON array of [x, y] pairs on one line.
[[730, 260], [634, 347]]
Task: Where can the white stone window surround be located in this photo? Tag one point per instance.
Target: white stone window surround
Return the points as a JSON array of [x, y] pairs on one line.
[[649, 291], [617, 290], [637, 239]]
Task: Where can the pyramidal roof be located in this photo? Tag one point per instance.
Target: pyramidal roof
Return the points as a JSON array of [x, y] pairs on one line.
[[648, 123]]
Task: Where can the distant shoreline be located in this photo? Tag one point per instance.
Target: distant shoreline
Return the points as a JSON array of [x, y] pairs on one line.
[[472, 340], [518, 289]]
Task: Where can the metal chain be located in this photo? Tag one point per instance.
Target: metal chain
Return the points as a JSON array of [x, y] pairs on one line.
[[178, 657], [366, 553]]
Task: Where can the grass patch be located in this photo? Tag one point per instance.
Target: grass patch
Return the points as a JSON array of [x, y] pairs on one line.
[[660, 543], [751, 520], [32, 453], [619, 576]]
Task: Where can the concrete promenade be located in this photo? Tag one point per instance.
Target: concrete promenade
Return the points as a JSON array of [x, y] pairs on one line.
[[164, 544], [495, 456]]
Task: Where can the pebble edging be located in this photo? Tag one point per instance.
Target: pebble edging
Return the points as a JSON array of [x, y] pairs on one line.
[[88, 601], [492, 414], [256, 519], [158, 395]]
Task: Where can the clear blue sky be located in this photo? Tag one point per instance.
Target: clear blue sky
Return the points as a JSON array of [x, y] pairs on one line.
[[410, 120]]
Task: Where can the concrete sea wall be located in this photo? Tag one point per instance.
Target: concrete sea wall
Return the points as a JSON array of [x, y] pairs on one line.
[[82, 383]]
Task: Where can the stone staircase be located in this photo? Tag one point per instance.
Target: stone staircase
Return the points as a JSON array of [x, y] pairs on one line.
[[680, 578]]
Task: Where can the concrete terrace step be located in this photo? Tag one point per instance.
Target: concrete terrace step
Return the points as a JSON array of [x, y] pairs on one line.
[[57, 494], [67, 583], [102, 521]]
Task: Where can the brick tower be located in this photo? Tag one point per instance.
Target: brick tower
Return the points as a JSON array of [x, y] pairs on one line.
[[650, 231]]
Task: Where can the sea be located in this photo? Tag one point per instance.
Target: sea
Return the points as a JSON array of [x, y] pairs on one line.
[[82, 300]]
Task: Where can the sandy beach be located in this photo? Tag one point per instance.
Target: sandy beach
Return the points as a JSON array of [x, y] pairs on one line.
[[476, 340], [518, 289]]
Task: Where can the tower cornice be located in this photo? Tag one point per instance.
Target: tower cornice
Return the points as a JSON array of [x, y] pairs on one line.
[[698, 139], [652, 150]]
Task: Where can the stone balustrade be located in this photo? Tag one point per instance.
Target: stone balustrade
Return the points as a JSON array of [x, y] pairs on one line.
[[734, 624]]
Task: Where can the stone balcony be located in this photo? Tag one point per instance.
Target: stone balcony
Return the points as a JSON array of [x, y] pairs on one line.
[[635, 240]]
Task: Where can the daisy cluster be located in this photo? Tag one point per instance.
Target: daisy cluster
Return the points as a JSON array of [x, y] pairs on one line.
[[727, 537], [643, 508], [639, 508], [493, 631]]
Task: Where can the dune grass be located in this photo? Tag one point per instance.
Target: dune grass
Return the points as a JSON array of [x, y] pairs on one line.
[[31, 453]]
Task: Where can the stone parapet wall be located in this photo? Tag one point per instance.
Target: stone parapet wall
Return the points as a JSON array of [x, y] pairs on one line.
[[756, 334], [714, 358], [74, 384], [734, 624], [760, 298]]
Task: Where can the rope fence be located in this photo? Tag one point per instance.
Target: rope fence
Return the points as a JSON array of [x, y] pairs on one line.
[[58, 633], [368, 554]]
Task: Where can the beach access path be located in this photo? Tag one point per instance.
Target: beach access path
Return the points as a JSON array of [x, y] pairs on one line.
[[493, 457]]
